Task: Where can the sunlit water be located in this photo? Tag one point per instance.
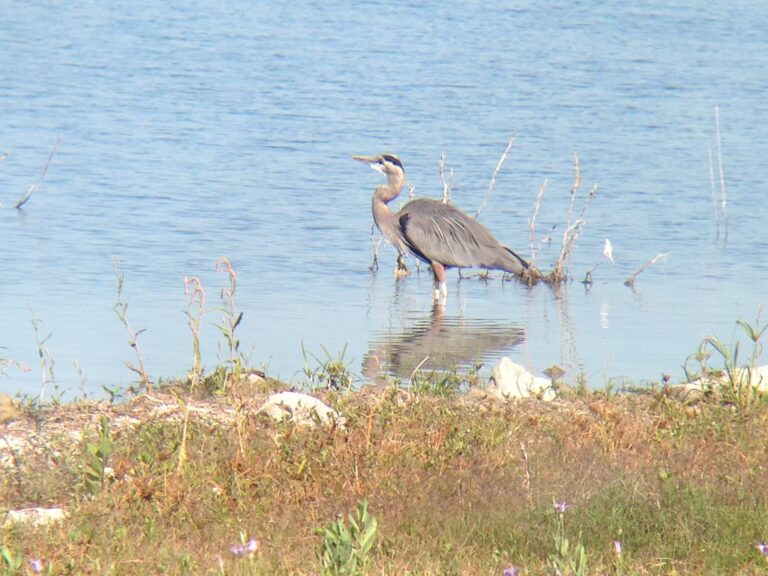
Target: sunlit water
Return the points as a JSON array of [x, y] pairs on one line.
[[193, 131]]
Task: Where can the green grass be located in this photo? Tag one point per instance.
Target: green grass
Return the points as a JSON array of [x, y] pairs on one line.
[[459, 484]]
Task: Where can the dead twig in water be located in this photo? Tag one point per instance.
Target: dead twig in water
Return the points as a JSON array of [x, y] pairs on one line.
[[532, 220], [723, 193], [447, 184], [712, 191], [492, 183], [25, 197], [573, 228], [631, 280]]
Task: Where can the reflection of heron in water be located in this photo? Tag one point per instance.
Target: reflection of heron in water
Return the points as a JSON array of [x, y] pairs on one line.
[[437, 233], [438, 343]]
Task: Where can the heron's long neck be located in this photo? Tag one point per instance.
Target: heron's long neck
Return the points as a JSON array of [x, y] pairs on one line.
[[384, 219]]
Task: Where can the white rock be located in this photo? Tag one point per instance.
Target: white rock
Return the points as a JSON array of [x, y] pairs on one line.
[[303, 409], [688, 392], [757, 377], [34, 516], [760, 378], [510, 380]]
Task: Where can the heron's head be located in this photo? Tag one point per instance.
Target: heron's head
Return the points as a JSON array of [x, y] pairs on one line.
[[387, 164]]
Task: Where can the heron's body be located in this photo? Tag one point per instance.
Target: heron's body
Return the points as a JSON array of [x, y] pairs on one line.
[[435, 232]]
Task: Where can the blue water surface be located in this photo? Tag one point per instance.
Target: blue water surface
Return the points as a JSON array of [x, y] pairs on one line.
[[198, 130]]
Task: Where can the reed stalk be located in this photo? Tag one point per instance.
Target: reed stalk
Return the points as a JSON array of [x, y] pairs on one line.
[[121, 309], [34, 187]]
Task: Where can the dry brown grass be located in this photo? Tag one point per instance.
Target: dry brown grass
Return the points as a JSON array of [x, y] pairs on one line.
[[459, 485]]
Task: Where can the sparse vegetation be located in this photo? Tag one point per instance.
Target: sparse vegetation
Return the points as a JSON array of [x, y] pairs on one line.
[[344, 550], [191, 478], [446, 479], [732, 378], [330, 373], [457, 483], [121, 309], [230, 320]]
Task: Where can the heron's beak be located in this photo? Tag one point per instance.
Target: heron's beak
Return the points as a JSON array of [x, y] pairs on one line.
[[372, 161]]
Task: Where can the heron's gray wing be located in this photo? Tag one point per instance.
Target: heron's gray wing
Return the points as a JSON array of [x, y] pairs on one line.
[[442, 233]]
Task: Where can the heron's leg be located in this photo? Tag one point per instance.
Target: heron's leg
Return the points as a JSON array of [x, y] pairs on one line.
[[441, 290], [401, 270]]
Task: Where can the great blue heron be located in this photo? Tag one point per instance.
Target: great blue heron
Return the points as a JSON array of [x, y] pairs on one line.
[[437, 233]]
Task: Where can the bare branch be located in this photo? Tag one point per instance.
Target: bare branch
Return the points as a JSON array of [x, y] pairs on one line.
[[712, 190], [532, 220], [447, 184], [23, 200], [492, 183], [723, 193], [631, 280]]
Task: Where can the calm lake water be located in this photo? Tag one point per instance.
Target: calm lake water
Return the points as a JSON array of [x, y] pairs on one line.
[[196, 130]]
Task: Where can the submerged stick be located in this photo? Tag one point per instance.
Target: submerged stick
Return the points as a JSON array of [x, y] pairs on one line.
[[631, 280], [23, 200]]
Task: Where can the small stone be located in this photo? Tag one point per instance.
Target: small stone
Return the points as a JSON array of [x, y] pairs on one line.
[[34, 516]]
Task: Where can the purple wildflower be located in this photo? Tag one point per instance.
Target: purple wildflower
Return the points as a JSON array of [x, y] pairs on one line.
[[510, 571], [762, 547], [248, 548], [561, 507], [36, 565]]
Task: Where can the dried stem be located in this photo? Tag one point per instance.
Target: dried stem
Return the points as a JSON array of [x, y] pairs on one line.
[[723, 193], [573, 228], [712, 190], [23, 200], [447, 184], [532, 220], [195, 296], [630, 281], [46, 360], [231, 320], [121, 309], [492, 183], [418, 367], [526, 466]]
